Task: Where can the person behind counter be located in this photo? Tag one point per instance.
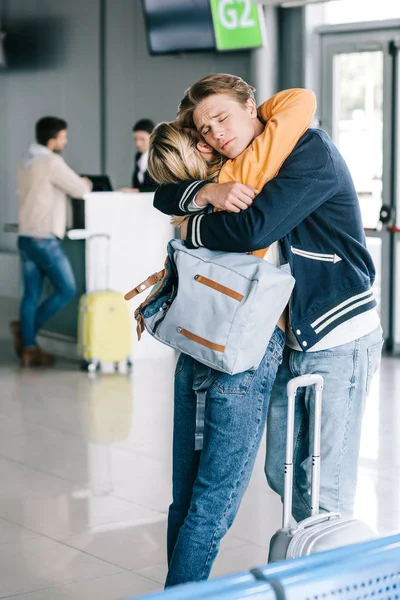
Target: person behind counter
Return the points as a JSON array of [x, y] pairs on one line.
[[141, 180], [44, 181]]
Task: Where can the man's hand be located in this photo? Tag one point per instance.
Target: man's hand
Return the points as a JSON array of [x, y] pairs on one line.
[[128, 190], [88, 182], [230, 196]]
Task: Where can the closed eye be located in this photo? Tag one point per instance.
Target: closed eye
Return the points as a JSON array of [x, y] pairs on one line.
[[224, 119], [206, 131]]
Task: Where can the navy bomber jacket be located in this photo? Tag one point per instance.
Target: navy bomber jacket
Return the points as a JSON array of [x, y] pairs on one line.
[[312, 208]]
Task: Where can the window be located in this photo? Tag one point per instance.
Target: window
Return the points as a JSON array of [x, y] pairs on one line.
[[353, 11]]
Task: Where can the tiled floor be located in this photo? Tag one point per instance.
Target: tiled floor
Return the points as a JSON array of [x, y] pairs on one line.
[[85, 481]]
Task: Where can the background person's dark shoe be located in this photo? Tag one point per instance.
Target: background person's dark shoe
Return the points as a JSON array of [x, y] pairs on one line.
[[35, 357], [15, 328]]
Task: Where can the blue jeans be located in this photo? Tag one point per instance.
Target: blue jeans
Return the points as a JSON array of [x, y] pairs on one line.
[[208, 485], [42, 257], [348, 372]]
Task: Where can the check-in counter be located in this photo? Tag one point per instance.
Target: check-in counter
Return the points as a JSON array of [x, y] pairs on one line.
[[137, 248]]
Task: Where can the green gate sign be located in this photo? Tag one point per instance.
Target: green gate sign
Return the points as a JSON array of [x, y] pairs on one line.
[[236, 24]]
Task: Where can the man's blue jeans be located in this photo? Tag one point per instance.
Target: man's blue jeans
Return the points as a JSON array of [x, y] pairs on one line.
[[42, 257], [208, 485], [348, 372]]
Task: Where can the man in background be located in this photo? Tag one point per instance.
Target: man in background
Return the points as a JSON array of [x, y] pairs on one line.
[[44, 181], [141, 180]]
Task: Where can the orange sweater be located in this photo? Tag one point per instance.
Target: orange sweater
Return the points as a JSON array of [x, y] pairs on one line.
[[287, 115]]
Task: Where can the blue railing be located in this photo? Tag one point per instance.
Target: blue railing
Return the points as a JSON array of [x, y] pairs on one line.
[[370, 570]]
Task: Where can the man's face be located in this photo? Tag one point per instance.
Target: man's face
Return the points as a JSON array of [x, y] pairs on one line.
[[60, 141], [142, 140], [225, 124]]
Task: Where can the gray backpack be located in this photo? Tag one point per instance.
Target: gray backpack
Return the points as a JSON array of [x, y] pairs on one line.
[[220, 308]]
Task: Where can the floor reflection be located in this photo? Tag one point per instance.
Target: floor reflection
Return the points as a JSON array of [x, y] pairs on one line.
[[86, 469]]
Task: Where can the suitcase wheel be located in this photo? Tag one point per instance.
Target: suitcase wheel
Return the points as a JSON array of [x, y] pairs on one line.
[[129, 364], [94, 366], [91, 366]]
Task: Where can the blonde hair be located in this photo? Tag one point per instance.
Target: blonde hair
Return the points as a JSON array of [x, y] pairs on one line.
[[173, 157], [219, 83]]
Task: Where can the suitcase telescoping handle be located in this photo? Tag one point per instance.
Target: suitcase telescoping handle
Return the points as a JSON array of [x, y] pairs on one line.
[[292, 387], [97, 265]]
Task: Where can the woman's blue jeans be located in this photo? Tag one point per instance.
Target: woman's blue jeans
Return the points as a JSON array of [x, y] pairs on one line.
[[42, 257], [208, 485]]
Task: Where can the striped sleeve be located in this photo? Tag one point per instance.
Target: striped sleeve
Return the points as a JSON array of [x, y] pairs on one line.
[[193, 237], [186, 203], [177, 198]]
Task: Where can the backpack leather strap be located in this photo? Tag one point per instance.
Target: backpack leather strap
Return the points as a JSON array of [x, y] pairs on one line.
[[149, 282], [140, 323]]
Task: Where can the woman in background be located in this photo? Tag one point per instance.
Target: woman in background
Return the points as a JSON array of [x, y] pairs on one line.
[[141, 180]]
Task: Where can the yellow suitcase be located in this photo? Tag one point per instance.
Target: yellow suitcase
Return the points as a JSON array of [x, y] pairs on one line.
[[104, 320], [104, 329]]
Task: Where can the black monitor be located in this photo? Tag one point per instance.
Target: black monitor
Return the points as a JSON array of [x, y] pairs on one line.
[[178, 25], [3, 58], [101, 183]]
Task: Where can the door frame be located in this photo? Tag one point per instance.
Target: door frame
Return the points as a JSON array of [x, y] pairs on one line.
[[367, 37]]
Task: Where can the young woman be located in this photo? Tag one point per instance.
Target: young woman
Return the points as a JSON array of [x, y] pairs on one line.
[[208, 485]]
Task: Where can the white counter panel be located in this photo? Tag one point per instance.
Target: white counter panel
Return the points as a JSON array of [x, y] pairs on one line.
[[139, 236]]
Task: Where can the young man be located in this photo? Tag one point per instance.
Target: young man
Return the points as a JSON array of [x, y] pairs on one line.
[[44, 181], [333, 328]]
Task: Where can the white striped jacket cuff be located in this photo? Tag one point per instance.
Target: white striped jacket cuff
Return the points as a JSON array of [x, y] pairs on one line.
[[186, 203], [194, 236]]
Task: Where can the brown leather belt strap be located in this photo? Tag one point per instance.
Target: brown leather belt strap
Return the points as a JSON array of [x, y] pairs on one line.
[[149, 282]]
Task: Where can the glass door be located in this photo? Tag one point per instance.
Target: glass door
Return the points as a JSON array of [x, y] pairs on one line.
[[359, 111]]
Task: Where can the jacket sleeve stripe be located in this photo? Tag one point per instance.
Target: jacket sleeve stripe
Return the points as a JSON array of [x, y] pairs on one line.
[[194, 233], [198, 236], [189, 194]]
